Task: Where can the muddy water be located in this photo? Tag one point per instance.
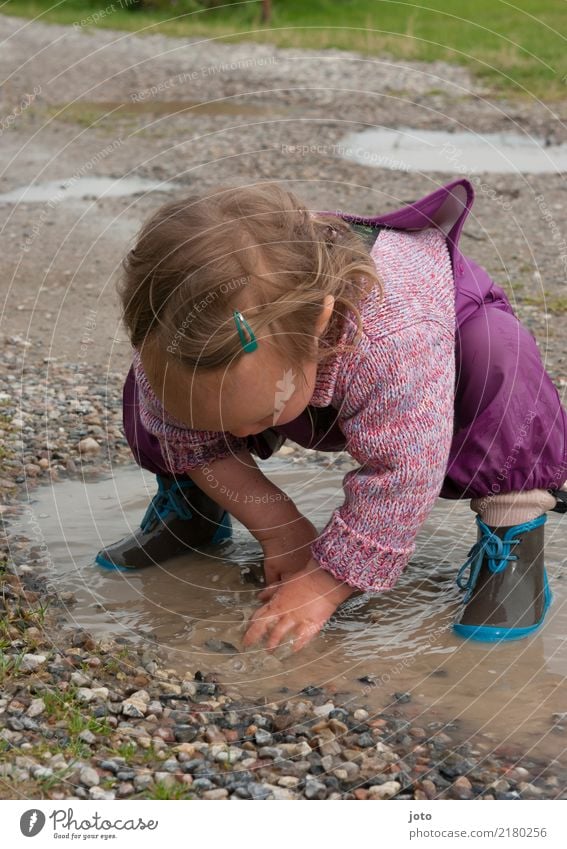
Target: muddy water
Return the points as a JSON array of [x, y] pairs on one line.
[[197, 606]]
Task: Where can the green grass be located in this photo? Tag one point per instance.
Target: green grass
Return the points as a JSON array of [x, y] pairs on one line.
[[516, 47]]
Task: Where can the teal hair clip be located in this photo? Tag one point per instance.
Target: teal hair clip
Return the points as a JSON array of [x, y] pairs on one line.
[[250, 344]]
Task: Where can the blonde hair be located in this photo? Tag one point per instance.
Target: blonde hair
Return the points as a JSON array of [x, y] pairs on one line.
[[252, 248]]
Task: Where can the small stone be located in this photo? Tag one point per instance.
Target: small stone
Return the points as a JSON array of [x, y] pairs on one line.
[[384, 791], [270, 752], [89, 777], [429, 788], [288, 781], [134, 707], [402, 698], [360, 715], [528, 790], [323, 710], [80, 680], [217, 793], [124, 789], [85, 695], [100, 795], [315, 789], [42, 772], [142, 782], [185, 733], [202, 784], [365, 740], [89, 446], [100, 692], [87, 737], [36, 708], [165, 778], [31, 662], [263, 737]]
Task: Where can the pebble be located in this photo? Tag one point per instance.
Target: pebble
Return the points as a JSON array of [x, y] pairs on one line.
[[384, 791], [315, 789], [36, 708], [262, 737], [89, 446], [217, 793], [88, 737], [89, 777], [32, 662], [323, 710], [134, 707]]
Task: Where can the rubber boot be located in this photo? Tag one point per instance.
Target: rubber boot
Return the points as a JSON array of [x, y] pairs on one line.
[[507, 593], [179, 517]]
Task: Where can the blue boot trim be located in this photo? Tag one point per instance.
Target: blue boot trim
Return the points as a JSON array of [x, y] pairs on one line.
[[493, 633], [496, 549], [107, 564], [224, 530], [167, 501]]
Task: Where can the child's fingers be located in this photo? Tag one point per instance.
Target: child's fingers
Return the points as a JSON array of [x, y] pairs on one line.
[[306, 634], [280, 629], [260, 621]]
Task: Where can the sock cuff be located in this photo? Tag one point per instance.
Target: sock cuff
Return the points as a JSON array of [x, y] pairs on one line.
[[513, 508]]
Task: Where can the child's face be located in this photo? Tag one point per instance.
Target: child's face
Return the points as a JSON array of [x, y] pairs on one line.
[[257, 392]]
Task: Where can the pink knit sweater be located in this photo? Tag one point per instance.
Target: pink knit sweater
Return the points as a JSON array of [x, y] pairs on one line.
[[394, 395]]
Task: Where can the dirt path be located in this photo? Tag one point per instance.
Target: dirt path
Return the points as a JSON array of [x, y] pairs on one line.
[[62, 119]]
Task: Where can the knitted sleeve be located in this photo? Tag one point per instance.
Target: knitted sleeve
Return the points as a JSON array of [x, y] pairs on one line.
[[182, 448], [399, 427]]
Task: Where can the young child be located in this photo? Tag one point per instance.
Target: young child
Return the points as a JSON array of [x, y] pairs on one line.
[[253, 320]]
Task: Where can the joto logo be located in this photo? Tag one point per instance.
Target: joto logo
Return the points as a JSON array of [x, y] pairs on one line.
[[31, 822]]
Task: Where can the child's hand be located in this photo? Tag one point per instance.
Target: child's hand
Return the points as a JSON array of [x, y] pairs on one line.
[[299, 606], [288, 551]]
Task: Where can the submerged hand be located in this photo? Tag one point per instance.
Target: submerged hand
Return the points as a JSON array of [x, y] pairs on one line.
[[299, 606]]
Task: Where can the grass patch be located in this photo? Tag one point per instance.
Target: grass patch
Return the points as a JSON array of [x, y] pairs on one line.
[[555, 304], [163, 791], [517, 49]]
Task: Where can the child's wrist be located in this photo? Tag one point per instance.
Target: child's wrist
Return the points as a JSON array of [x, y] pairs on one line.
[[274, 523], [332, 588]]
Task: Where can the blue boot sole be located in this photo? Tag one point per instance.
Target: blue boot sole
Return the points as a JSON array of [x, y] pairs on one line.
[[493, 634]]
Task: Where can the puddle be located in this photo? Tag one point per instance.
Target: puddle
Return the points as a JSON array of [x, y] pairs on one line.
[[407, 149], [97, 111], [196, 605], [84, 188]]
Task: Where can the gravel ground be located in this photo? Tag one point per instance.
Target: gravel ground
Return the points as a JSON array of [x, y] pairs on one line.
[[87, 719]]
